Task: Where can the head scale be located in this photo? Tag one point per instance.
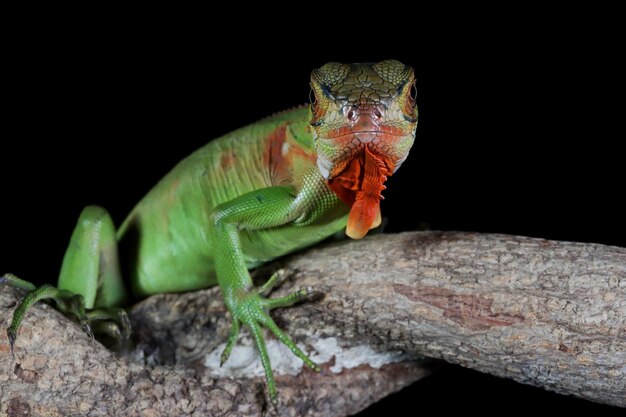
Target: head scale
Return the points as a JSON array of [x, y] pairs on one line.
[[363, 118]]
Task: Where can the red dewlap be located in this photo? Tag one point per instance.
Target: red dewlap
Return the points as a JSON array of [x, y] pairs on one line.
[[360, 184]]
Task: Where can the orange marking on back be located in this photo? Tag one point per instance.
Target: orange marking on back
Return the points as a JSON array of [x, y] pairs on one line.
[[283, 155], [173, 191], [227, 160]]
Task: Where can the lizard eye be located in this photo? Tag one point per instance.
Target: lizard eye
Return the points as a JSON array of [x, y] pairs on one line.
[[318, 109], [410, 103], [312, 99], [413, 94]]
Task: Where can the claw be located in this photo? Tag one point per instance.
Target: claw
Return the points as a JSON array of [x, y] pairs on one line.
[[12, 336], [87, 328], [226, 353], [311, 294], [16, 282], [224, 358], [230, 343], [125, 322], [276, 279]]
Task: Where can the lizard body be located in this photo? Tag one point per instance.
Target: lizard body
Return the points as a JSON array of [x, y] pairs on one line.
[[257, 193], [276, 152]]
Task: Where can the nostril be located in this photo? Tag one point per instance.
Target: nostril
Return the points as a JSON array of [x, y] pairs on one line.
[[377, 114], [351, 115]]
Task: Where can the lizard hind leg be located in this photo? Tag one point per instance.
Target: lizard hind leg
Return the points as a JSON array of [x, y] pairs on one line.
[[91, 268], [90, 285]]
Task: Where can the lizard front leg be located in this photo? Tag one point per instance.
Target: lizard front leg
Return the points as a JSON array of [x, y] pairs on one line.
[[258, 210]]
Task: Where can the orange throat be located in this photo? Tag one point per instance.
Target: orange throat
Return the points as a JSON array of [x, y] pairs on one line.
[[359, 182]]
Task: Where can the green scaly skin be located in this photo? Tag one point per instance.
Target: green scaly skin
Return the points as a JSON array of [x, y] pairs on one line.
[[258, 193]]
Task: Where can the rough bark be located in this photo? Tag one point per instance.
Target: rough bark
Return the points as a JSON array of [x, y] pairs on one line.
[[545, 313]]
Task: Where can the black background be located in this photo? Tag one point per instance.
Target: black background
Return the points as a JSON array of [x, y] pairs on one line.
[[519, 131]]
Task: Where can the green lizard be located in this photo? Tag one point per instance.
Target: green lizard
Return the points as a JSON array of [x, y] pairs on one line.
[[260, 192]]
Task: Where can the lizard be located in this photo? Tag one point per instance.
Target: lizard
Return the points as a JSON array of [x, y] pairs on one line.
[[260, 192]]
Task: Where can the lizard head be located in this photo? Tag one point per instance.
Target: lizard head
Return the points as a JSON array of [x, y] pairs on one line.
[[363, 118]]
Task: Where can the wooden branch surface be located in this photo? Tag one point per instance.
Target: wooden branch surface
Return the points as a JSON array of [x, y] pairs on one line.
[[545, 313]]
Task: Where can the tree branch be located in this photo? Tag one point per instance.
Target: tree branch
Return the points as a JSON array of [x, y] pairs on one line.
[[550, 314]]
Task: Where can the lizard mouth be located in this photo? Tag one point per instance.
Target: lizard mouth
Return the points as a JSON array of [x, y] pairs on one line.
[[359, 182]]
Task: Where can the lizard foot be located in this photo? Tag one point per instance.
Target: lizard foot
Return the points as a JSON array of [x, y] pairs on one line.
[[252, 309], [67, 302]]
